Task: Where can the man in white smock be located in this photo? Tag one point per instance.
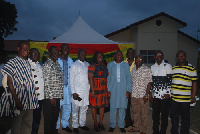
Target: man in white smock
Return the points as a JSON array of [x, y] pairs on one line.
[[80, 90]]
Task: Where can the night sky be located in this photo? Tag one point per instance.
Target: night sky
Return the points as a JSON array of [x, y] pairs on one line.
[[44, 19]]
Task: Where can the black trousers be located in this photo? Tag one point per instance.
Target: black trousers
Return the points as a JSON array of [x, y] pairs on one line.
[[128, 118], [160, 107], [177, 109], [36, 118], [50, 116]]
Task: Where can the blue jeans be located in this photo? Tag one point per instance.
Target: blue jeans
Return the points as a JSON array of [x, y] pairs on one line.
[[183, 109]]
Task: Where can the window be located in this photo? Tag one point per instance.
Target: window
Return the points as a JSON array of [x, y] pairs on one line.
[[148, 56]]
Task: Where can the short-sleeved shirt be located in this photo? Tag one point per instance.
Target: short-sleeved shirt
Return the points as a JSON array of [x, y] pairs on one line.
[[140, 79], [53, 80], [162, 77], [20, 72], [182, 78]]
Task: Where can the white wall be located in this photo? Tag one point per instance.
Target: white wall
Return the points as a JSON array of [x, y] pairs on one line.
[[190, 47]]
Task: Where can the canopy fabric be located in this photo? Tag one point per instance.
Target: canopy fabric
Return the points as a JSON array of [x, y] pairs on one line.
[[107, 49], [81, 32]]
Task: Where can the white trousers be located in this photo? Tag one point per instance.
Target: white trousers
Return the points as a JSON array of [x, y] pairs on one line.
[[78, 115]]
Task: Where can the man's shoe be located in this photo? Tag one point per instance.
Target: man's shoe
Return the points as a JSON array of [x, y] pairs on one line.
[[126, 126], [67, 129], [111, 129], [123, 130], [85, 128], [76, 130], [56, 131]]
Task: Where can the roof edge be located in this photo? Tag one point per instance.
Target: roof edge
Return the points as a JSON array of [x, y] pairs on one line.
[[191, 38], [145, 20]]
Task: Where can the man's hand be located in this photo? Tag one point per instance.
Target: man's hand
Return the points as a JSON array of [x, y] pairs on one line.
[[127, 94], [19, 106], [193, 100], [167, 96], [145, 98], [109, 94], [75, 95], [53, 102], [151, 97]]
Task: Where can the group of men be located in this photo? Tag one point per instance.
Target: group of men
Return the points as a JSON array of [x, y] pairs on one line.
[[34, 87], [169, 89], [61, 83]]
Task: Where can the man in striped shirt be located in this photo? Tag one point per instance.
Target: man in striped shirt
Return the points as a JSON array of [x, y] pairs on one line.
[[184, 86], [22, 88]]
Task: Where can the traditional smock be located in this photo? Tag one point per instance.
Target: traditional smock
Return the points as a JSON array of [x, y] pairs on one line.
[[20, 72]]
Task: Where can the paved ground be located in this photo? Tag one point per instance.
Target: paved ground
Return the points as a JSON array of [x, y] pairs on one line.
[[106, 123]]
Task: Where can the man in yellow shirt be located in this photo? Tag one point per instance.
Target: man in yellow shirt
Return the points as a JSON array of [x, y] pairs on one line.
[[131, 61]]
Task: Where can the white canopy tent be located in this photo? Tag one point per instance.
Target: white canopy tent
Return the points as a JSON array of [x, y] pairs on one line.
[[81, 32]]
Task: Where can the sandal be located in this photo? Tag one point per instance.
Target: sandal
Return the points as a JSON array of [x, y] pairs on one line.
[[102, 127], [96, 128]]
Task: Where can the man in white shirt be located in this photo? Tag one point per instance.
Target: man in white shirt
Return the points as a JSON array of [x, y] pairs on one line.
[[80, 90], [37, 74], [160, 95]]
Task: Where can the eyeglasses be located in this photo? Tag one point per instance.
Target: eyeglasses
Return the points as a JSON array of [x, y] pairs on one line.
[[139, 59], [159, 54]]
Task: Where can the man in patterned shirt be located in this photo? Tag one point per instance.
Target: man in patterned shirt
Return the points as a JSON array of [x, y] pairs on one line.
[[184, 87], [141, 85], [160, 95], [22, 88], [53, 90]]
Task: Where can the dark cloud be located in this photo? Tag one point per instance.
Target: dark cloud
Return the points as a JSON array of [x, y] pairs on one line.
[[45, 19]]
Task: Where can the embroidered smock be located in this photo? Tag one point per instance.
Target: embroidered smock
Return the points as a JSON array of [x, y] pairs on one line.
[[37, 74], [140, 79], [53, 80]]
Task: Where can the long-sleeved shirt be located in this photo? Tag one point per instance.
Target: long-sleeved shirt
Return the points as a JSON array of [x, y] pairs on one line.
[[37, 74], [162, 78], [141, 77], [79, 81], [119, 82], [67, 90], [53, 80]]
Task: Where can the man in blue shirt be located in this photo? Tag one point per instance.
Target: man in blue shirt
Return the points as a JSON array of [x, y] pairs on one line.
[[119, 88], [65, 62]]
